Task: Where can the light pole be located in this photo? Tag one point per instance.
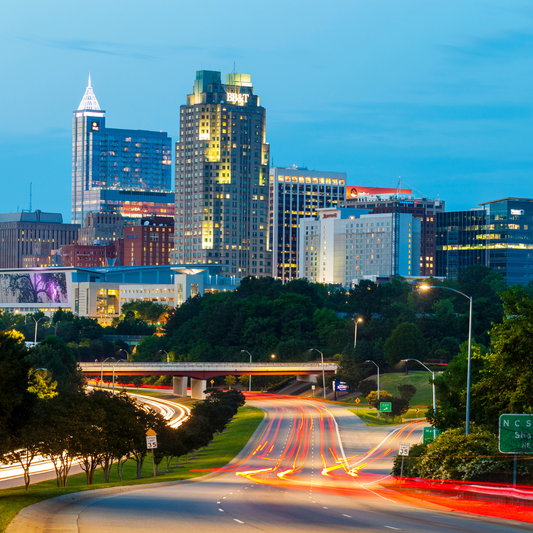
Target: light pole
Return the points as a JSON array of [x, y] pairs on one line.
[[36, 323], [102, 371], [356, 321], [114, 363], [250, 377], [323, 373], [434, 395], [369, 361], [469, 364], [126, 352], [168, 356]]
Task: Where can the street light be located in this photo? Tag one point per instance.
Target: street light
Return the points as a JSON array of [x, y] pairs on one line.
[[250, 377], [168, 356], [102, 371], [434, 395], [114, 363], [323, 373], [36, 323], [126, 352], [356, 321], [468, 372], [273, 356], [369, 361]]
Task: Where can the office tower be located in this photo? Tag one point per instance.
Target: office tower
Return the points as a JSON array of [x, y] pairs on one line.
[[296, 193], [380, 200], [150, 242], [221, 189], [101, 228], [498, 235], [115, 170], [37, 233], [346, 245]]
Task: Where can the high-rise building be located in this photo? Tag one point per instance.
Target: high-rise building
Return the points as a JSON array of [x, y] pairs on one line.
[[397, 201], [347, 245], [101, 228], [115, 170], [296, 193], [499, 236], [37, 233], [150, 242], [222, 161]]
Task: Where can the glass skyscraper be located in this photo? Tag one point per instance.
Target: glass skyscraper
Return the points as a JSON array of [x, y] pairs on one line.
[[115, 170], [222, 161]]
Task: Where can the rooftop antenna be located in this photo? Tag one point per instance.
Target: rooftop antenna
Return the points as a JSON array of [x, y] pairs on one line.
[[31, 184], [28, 210]]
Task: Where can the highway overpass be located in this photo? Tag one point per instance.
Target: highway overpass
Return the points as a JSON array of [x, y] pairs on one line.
[[201, 372]]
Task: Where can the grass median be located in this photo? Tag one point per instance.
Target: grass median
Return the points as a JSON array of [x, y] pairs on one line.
[[370, 417], [220, 452]]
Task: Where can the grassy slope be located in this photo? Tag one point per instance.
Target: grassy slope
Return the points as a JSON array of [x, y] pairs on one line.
[[420, 380], [222, 450]]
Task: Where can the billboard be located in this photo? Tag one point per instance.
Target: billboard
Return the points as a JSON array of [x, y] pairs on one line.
[[358, 191], [33, 287]]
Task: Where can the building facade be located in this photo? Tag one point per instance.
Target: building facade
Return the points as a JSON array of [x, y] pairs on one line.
[[499, 236], [150, 242], [222, 161], [101, 228], [294, 194], [399, 201], [116, 170], [86, 256], [344, 246], [37, 233]]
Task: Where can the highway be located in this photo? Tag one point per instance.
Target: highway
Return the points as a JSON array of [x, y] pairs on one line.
[[12, 475], [295, 476]]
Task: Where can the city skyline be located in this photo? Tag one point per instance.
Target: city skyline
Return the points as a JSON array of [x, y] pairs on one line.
[[375, 90]]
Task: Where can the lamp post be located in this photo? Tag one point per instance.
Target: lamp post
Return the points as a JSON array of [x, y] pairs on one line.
[[114, 363], [250, 377], [102, 371], [323, 373], [126, 352], [469, 364], [356, 321], [36, 323], [168, 356], [374, 363], [434, 395]]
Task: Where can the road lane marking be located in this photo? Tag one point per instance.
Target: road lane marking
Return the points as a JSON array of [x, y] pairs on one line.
[[324, 507], [240, 522], [347, 515], [390, 527], [221, 510]]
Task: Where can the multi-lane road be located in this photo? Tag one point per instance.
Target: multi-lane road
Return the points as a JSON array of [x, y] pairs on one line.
[[310, 467]]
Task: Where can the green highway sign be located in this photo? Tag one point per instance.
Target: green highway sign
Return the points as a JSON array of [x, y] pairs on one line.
[[385, 407], [516, 434], [429, 434]]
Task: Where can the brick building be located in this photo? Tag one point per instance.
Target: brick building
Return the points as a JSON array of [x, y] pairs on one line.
[[149, 243]]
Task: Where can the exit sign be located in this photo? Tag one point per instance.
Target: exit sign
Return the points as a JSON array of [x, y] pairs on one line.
[[516, 434], [385, 407]]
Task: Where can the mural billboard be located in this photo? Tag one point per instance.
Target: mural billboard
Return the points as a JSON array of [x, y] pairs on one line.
[[357, 192], [33, 287]]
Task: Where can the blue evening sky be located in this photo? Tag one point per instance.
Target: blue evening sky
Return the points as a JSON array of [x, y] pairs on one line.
[[437, 92]]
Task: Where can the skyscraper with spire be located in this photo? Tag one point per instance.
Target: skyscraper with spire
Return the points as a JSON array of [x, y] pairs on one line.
[[118, 171], [222, 161]]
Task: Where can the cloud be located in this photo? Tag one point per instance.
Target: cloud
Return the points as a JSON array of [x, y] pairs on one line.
[[502, 47], [93, 47]]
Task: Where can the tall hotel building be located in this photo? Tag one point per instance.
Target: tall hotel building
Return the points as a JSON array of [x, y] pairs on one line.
[[118, 171], [222, 178], [294, 194]]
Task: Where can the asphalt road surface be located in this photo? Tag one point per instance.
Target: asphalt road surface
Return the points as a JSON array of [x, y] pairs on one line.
[[296, 477]]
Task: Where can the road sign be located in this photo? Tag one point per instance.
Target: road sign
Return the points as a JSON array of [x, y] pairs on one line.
[[313, 387], [404, 448], [357, 400], [151, 442], [341, 386], [385, 407], [430, 434], [516, 434]]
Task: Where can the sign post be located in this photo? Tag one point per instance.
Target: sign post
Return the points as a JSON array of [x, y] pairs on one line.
[[151, 444], [386, 407], [313, 389], [403, 451], [515, 436]]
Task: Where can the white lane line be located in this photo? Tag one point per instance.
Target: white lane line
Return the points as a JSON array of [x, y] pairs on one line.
[[347, 515], [240, 522], [324, 507], [221, 510], [390, 527], [218, 503], [224, 497]]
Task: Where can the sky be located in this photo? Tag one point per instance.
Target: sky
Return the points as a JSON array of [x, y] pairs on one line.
[[437, 94]]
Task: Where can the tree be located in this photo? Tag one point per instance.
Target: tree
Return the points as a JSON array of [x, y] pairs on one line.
[[407, 391], [367, 386], [406, 342], [230, 381]]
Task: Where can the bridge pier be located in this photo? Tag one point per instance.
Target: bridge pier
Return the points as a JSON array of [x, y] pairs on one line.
[[198, 387], [179, 386], [308, 378]]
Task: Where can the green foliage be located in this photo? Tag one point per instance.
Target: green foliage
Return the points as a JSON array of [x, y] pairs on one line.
[[405, 342], [367, 386], [406, 390], [230, 381], [150, 312]]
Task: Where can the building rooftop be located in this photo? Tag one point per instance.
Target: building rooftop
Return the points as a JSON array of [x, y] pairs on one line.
[[34, 216]]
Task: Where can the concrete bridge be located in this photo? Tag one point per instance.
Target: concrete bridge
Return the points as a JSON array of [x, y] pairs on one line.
[[201, 372]]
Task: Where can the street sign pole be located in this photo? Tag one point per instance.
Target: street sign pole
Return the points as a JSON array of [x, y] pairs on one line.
[[151, 444], [153, 462]]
